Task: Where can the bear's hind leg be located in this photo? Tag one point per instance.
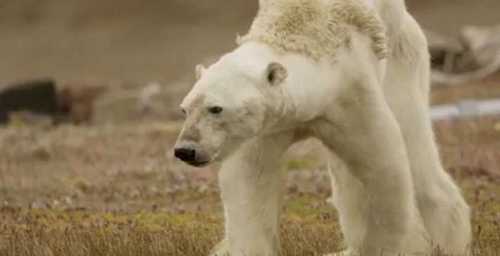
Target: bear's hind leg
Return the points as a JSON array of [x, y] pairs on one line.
[[443, 209], [372, 146]]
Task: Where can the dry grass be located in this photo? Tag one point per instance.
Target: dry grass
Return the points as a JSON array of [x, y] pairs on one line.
[[309, 227], [45, 232]]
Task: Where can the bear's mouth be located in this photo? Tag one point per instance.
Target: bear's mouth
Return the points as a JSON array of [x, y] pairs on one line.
[[198, 163]]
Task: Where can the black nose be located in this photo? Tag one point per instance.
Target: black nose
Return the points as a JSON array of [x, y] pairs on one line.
[[185, 154]]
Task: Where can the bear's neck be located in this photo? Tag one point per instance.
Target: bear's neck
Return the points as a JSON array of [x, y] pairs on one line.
[[306, 90]]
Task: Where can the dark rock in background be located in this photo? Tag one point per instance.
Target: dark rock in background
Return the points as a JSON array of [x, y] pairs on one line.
[[38, 96]]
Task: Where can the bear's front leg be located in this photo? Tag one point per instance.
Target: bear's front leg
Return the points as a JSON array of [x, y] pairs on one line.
[[250, 182], [362, 131]]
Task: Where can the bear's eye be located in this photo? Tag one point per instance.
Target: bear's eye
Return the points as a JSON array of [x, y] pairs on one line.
[[184, 112], [215, 110]]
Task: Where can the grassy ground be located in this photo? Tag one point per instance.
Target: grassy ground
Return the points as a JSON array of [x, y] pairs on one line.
[[116, 190]]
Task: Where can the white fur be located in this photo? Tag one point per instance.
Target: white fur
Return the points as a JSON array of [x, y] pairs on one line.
[[370, 3], [390, 189]]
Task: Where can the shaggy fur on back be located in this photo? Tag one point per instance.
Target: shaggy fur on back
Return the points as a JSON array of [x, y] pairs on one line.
[[316, 28]]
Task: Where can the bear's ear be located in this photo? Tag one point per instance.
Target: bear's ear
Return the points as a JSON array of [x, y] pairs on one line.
[[200, 69], [276, 73]]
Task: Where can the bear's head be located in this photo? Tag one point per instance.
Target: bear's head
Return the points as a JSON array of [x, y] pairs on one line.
[[230, 103]]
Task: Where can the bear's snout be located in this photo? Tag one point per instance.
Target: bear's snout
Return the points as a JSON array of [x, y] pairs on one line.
[[185, 154], [191, 155]]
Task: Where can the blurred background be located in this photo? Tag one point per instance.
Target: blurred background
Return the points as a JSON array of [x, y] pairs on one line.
[[132, 43], [89, 95], [154, 40]]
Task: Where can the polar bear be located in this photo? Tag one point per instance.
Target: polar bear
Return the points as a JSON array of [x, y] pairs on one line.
[[353, 74]]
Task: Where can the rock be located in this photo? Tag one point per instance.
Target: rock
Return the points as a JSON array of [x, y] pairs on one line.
[[38, 96]]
